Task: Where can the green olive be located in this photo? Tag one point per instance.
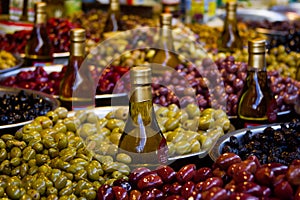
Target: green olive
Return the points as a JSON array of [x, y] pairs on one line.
[[60, 182], [87, 129], [52, 116], [92, 117], [66, 191], [121, 113], [172, 123], [45, 121], [3, 154], [81, 115], [61, 112], [41, 159], [13, 192], [182, 147], [28, 153], [205, 122], [2, 144], [15, 171], [162, 112], [192, 110], [80, 175], [61, 140], [60, 127], [51, 190], [34, 194], [88, 194], [39, 185], [115, 123], [16, 161], [124, 158], [72, 123]]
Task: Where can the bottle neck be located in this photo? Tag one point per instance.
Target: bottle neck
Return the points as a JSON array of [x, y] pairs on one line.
[[166, 38], [40, 18], [140, 104], [230, 19], [77, 49], [257, 61]]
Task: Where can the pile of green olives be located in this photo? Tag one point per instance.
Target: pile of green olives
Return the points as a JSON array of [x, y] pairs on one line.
[[187, 130], [47, 159]]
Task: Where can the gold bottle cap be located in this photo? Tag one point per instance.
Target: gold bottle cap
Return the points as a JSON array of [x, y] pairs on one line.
[[114, 5], [140, 75], [77, 35], [40, 7], [166, 19], [257, 45]]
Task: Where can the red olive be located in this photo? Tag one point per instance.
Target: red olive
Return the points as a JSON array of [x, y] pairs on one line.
[[227, 159], [264, 176], [152, 194], [166, 173], [175, 188], [137, 174], [277, 168], [249, 188], [241, 176], [150, 180], [293, 174], [212, 182], [174, 197], [105, 192], [187, 189], [242, 196], [202, 174], [120, 193], [283, 190], [135, 195], [215, 193], [186, 173]]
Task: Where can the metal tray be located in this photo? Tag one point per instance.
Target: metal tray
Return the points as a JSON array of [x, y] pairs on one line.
[[55, 55], [101, 99], [9, 90], [20, 62], [215, 152], [102, 111]]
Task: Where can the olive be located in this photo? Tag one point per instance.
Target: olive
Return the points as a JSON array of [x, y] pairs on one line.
[[34, 194], [3, 154], [13, 192], [39, 185], [53, 116], [61, 112], [72, 123], [61, 140]]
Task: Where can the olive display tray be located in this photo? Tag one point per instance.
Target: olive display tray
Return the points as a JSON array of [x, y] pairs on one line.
[[20, 62], [100, 100], [215, 152], [55, 55], [14, 91], [102, 111]]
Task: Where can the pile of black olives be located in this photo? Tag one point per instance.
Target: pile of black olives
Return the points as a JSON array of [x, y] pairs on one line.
[[271, 145], [15, 108]]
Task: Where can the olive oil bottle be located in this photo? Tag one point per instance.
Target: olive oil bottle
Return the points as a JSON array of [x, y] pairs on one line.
[[142, 138], [165, 54], [77, 86], [39, 50], [113, 21], [257, 104], [230, 39]]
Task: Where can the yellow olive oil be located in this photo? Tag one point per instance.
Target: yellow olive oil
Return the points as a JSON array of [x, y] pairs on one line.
[[142, 138]]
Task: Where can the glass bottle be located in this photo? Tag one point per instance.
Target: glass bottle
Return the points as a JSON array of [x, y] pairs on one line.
[[113, 21], [142, 138], [165, 53], [230, 39], [39, 50], [77, 86], [257, 104]]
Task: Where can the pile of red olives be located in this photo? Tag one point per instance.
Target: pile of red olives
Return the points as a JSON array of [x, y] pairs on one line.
[[230, 177]]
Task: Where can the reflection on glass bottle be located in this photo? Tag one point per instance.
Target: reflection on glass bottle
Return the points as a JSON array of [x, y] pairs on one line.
[[230, 39], [142, 138], [77, 86], [113, 22], [165, 54], [257, 104], [38, 50]]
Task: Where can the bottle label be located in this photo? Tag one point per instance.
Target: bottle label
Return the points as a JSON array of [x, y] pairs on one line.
[[163, 152]]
